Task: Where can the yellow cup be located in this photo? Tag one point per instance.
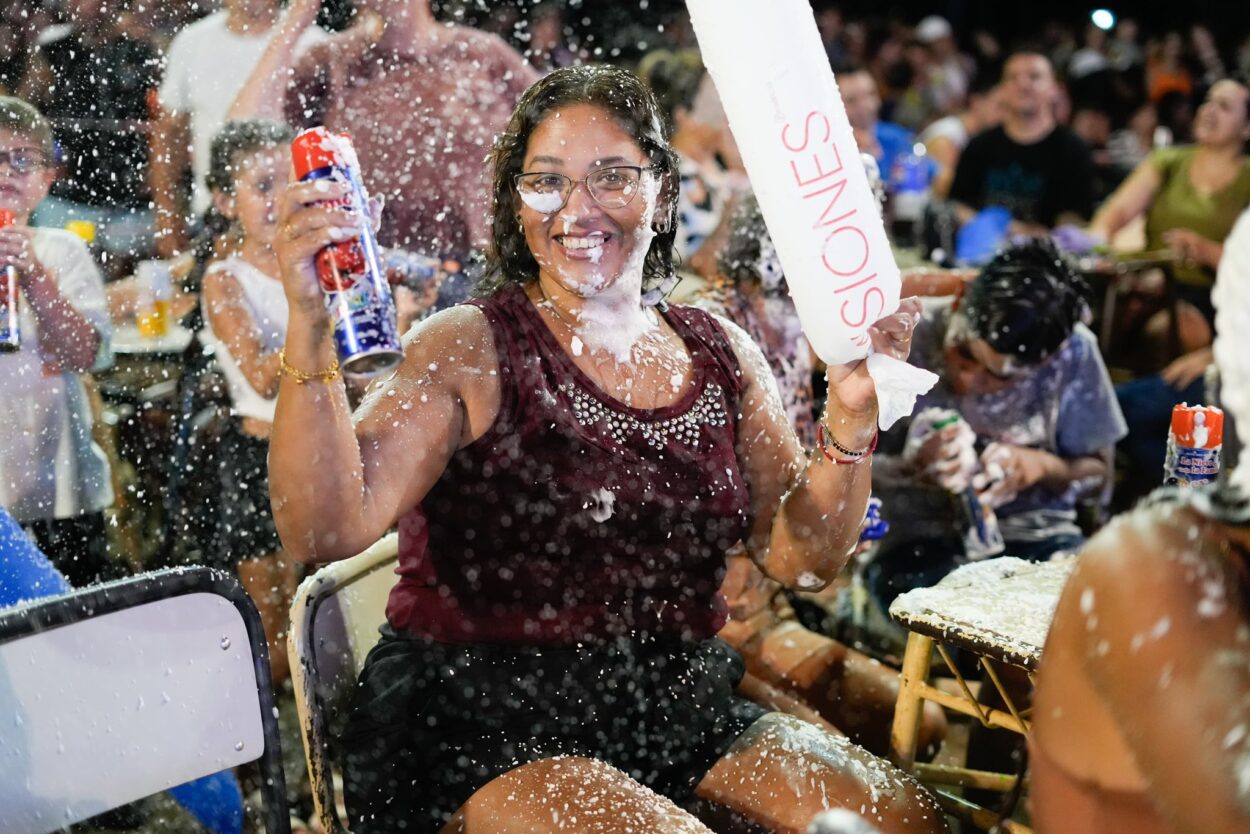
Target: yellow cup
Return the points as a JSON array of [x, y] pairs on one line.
[[154, 319]]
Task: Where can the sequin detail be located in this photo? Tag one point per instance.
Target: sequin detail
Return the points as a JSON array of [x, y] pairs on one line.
[[685, 428]]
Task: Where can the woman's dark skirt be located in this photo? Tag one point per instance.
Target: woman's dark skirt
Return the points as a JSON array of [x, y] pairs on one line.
[[432, 722]]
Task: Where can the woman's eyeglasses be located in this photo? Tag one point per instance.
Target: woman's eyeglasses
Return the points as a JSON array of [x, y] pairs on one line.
[[23, 161], [612, 188]]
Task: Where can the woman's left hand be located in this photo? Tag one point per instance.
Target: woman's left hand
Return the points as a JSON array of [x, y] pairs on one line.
[[850, 386]]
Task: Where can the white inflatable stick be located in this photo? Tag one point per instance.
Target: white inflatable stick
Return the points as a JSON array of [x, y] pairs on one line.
[[774, 80]]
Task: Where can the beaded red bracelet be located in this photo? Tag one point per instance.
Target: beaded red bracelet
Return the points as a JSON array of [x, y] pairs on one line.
[[852, 456]]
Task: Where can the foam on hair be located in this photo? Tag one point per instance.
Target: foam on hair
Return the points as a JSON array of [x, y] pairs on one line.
[[1026, 301]]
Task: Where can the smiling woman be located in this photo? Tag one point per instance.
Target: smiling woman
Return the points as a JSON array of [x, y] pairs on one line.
[[569, 461]]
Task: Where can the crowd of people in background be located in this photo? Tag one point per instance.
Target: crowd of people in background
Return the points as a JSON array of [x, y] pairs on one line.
[[132, 133]]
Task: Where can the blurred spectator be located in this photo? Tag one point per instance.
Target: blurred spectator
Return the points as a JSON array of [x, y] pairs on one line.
[[987, 54], [886, 62], [1035, 403], [950, 71], [1165, 68], [700, 135], [245, 321], [205, 68], [1091, 122], [1035, 168], [914, 103], [423, 102], [13, 57], [1058, 44], [1092, 56], [946, 138], [830, 23], [1206, 56], [678, 30], [855, 38], [1123, 50], [1175, 112], [1191, 195], [1129, 144], [751, 292], [94, 83], [548, 38], [884, 141], [53, 478]]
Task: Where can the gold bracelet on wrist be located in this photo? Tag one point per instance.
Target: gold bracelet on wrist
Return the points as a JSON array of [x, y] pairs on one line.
[[328, 375]]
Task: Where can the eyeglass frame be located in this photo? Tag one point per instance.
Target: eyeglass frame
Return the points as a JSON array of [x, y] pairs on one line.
[[959, 337], [6, 159], [640, 169]]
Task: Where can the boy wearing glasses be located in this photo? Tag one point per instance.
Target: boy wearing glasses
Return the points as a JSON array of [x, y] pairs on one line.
[[1038, 420], [53, 479]]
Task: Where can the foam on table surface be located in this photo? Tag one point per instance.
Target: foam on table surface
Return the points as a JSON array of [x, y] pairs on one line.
[[1000, 608]]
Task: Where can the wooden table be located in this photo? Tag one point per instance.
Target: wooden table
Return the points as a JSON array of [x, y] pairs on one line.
[[999, 611], [1110, 272]]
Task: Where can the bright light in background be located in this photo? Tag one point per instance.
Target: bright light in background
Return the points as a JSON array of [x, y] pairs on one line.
[[1103, 19]]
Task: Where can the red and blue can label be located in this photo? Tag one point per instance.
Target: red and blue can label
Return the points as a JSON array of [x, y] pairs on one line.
[[357, 294], [10, 299]]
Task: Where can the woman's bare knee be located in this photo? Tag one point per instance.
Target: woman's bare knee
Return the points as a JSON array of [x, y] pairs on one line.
[[782, 772], [569, 793]]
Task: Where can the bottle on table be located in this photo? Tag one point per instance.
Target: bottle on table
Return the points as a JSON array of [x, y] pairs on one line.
[[357, 294], [10, 299], [909, 195]]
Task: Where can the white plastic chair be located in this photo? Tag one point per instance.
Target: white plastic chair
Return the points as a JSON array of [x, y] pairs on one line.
[[114, 693], [334, 623]]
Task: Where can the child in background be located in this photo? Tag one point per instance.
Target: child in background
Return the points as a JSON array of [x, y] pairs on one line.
[[245, 317], [54, 480]]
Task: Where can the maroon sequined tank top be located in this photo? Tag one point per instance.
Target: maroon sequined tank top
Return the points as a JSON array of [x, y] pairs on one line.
[[576, 516]]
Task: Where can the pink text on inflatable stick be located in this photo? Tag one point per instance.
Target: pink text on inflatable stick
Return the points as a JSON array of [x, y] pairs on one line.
[[846, 252]]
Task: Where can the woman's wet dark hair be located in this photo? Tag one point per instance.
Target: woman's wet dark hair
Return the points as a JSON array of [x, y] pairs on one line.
[[1026, 301], [238, 139], [621, 94]]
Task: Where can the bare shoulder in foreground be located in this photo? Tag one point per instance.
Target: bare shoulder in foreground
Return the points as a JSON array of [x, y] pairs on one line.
[[1143, 698]]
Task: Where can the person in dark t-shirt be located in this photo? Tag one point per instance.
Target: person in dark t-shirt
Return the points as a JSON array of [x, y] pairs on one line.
[[1037, 169]]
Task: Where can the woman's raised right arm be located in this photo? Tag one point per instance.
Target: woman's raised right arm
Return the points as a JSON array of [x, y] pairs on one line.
[[338, 482], [264, 92]]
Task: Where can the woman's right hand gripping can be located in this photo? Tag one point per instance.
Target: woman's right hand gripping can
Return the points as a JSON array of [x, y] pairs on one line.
[[358, 297]]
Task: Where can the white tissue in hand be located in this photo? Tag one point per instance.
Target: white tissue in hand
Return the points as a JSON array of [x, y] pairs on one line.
[[898, 386]]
